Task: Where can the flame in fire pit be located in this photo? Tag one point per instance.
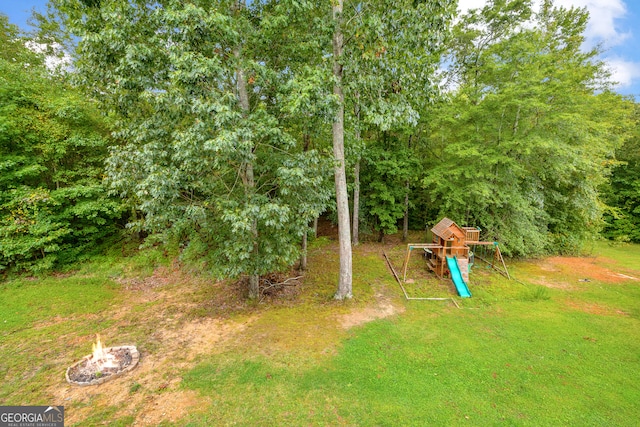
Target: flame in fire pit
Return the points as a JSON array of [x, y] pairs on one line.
[[104, 364], [100, 358]]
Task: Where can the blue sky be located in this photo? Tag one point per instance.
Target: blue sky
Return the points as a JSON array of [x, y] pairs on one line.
[[615, 24], [19, 11]]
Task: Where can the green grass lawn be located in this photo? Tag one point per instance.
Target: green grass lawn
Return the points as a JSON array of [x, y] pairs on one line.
[[39, 321], [518, 363], [622, 254], [516, 353]]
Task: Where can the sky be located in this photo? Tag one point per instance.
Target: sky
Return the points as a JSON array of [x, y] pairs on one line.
[[614, 24]]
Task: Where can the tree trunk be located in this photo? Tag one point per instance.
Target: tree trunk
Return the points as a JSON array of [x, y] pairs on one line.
[[405, 222], [303, 255], [254, 277], [356, 204], [315, 227], [342, 198], [134, 219], [355, 227], [515, 125], [306, 142], [248, 179]]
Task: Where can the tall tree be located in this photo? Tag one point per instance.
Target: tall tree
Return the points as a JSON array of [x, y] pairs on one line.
[[622, 193], [195, 92], [342, 199], [179, 87], [387, 55], [388, 167]]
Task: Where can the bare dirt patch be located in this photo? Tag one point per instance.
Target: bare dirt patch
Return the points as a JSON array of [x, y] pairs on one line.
[[598, 309], [568, 272], [589, 268], [327, 229], [172, 340], [158, 396], [170, 406], [161, 276], [382, 309]]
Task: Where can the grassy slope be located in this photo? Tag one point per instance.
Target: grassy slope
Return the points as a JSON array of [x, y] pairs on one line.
[[515, 354], [44, 321], [38, 320]]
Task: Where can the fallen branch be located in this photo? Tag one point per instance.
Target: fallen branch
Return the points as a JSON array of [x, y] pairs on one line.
[[272, 285]]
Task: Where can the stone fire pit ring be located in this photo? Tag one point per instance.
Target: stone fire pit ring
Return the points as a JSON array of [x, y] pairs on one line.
[[128, 354]]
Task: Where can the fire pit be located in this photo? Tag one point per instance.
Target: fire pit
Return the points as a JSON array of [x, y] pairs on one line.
[[103, 364]]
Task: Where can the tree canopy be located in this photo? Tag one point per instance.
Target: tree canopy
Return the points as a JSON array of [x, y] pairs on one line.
[[530, 130], [226, 121], [197, 90]]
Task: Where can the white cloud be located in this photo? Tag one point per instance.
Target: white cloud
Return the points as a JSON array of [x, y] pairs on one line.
[[465, 5], [603, 15], [57, 62], [623, 72]]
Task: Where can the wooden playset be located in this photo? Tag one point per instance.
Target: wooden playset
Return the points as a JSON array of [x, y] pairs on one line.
[[452, 242]]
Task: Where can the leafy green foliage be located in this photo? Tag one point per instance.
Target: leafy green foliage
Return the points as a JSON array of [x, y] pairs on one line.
[[622, 193], [391, 55], [218, 173], [53, 207], [530, 131], [387, 169]]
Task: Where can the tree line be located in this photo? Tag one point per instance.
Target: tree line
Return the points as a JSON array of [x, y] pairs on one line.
[[226, 128]]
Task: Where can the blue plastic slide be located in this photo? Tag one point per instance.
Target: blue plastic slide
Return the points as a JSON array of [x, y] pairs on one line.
[[456, 277]]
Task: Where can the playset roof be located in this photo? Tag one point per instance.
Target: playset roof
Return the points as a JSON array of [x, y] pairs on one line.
[[447, 228]]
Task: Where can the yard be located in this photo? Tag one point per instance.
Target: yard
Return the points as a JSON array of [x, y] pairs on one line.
[[559, 346]]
